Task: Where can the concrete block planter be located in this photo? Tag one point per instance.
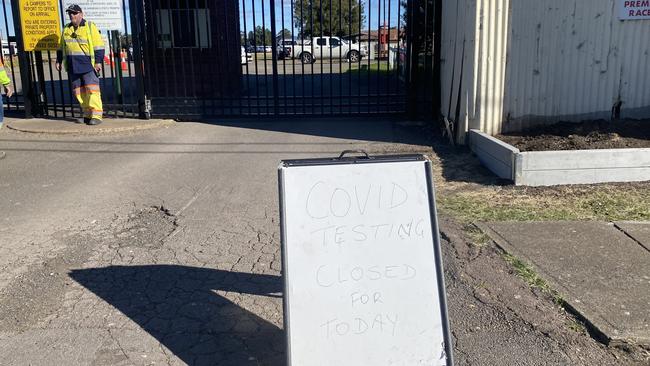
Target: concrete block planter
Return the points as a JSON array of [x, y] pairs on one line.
[[546, 168]]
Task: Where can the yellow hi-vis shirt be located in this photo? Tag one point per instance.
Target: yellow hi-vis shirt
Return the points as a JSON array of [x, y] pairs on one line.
[[4, 78], [81, 48]]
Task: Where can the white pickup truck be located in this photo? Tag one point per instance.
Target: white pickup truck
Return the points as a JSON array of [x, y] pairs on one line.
[[327, 47]]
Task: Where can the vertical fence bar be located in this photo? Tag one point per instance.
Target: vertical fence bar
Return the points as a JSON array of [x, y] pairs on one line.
[[221, 98], [274, 59], [150, 67], [313, 48], [379, 53], [284, 56], [410, 61], [137, 20], [350, 36], [247, 75], [293, 61], [399, 47], [70, 94], [320, 47], [331, 67], [190, 21], [23, 62], [389, 74], [41, 94], [257, 84], [359, 66], [437, 27], [369, 47], [266, 71], [129, 57], [198, 6], [172, 51], [55, 106], [302, 48], [116, 63], [177, 22], [12, 51], [425, 44], [340, 76], [228, 60]]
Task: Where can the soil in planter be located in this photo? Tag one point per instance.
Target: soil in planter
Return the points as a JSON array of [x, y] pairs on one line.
[[582, 136]]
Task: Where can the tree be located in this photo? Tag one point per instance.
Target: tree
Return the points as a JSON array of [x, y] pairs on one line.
[[261, 37], [312, 17], [285, 33]]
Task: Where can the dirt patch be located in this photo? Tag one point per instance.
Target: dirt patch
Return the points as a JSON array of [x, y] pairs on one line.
[[582, 136]]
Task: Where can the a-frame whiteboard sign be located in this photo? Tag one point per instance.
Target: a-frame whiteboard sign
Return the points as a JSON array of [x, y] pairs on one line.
[[361, 263]]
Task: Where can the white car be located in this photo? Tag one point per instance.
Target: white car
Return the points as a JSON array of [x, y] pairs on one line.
[[245, 56], [328, 47]]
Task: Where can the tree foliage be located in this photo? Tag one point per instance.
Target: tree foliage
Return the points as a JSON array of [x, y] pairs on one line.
[[285, 33], [328, 17], [260, 37]]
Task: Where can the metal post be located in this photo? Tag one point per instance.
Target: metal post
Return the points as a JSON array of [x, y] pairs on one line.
[[274, 58], [24, 62], [437, 29], [41, 101], [117, 53], [411, 61]]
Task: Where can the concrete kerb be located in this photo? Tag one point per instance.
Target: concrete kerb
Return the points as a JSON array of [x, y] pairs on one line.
[[603, 321], [69, 126], [506, 248]]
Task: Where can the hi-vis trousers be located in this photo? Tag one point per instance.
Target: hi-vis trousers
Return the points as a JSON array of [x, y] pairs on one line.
[[85, 88]]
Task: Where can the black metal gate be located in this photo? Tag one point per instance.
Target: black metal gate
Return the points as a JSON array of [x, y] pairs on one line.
[[195, 58], [41, 90], [288, 57]]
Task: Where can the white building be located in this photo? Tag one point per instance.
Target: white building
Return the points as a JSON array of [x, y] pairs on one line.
[[507, 65]]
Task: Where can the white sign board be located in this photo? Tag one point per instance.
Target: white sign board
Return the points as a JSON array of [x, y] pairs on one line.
[[632, 10], [361, 263], [106, 14]]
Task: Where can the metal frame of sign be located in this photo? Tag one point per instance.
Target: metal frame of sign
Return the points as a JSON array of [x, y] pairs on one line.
[[366, 159]]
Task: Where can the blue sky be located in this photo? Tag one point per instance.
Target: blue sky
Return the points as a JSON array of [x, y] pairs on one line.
[[286, 4], [280, 4]]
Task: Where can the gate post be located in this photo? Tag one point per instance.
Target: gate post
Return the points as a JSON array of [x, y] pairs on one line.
[[138, 36], [24, 61], [411, 62], [274, 58]]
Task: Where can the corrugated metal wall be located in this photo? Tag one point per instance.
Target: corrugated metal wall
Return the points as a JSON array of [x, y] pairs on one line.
[[507, 65]]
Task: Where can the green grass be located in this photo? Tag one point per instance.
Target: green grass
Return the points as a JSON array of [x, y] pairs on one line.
[[598, 203], [476, 235], [526, 272], [374, 68]]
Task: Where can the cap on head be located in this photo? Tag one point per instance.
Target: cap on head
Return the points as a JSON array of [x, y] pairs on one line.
[[73, 8]]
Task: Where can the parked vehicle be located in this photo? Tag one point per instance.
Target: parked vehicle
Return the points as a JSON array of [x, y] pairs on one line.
[[246, 57], [287, 44], [282, 52], [328, 47], [262, 49]]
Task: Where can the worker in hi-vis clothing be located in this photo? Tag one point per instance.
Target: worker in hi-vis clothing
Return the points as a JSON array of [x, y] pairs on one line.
[[81, 53], [6, 85]]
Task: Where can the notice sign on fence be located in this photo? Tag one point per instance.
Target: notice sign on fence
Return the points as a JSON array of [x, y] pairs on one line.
[[40, 24], [633, 9], [361, 263], [106, 14]]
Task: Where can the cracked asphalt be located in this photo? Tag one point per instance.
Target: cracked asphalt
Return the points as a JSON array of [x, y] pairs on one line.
[[162, 247]]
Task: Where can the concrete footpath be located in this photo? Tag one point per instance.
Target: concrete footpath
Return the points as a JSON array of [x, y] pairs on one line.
[[70, 125], [601, 270]]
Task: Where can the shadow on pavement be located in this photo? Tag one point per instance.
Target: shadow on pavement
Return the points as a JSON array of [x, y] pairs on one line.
[[379, 129], [180, 307]]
